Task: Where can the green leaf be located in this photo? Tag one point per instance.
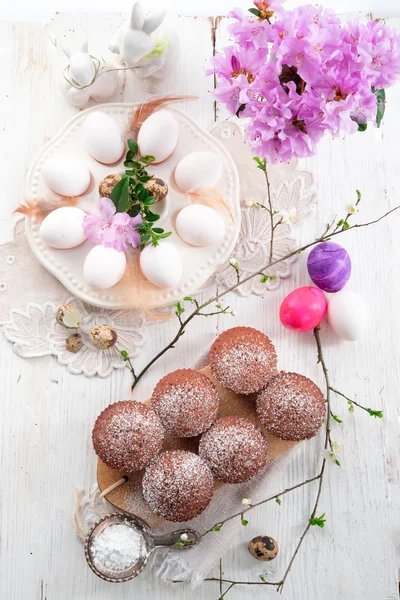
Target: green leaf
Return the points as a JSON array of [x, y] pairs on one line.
[[217, 528], [262, 577], [158, 230], [380, 105], [336, 418], [278, 501], [179, 308], [240, 109], [132, 145], [124, 354], [260, 163], [142, 193], [124, 202], [337, 462], [145, 238], [345, 226], [375, 413], [117, 190], [146, 160], [318, 521], [178, 544], [165, 235], [152, 217], [362, 126], [244, 522], [265, 278], [255, 12], [188, 299]]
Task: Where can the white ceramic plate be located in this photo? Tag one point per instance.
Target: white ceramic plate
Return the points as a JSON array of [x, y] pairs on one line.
[[198, 263]]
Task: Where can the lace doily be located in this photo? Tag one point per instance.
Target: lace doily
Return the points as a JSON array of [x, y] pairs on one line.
[[29, 294]]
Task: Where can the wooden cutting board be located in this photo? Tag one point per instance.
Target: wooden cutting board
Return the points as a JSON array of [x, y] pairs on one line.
[[128, 497]]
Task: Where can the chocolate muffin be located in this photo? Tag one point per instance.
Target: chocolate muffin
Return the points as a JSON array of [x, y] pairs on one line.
[[178, 485], [235, 449], [243, 360], [127, 436], [291, 407], [186, 402]]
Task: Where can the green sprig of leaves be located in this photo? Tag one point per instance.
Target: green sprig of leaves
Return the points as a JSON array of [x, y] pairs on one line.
[[336, 418], [131, 196], [318, 521], [265, 278], [261, 163], [378, 414]]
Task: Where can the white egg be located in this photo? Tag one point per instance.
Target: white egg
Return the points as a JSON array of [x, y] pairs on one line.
[[198, 170], [66, 176], [347, 315], [161, 265], [104, 267], [200, 225], [102, 138], [63, 228], [158, 136]]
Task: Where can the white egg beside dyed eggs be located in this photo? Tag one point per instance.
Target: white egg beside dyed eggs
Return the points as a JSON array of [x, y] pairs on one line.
[[104, 267], [63, 228], [102, 138], [198, 170], [200, 225], [158, 136], [66, 176], [161, 265], [347, 315]]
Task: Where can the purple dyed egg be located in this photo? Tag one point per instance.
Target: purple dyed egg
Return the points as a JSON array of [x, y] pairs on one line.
[[329, 266]]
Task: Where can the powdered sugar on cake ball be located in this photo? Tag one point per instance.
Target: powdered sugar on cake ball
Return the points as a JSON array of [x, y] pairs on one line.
[[127, 436], [291, 407], [235, 449], [186, 401], [178, 485], [243, 360]]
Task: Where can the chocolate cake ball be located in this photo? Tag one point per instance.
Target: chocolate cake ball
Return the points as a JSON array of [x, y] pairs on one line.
[[127, 436], [243, 360], [178, 485], [291, 407], [186, 401], [235, 449]]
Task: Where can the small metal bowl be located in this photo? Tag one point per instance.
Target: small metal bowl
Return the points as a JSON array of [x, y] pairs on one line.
[[150, 543]]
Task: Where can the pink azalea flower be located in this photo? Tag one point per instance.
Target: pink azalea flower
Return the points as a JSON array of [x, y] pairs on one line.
[[112, 229], [297, 74]]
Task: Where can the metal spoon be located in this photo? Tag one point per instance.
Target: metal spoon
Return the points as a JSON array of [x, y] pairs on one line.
[[150, 543]]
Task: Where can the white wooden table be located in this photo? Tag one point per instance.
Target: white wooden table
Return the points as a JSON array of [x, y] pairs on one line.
[[46, 414]]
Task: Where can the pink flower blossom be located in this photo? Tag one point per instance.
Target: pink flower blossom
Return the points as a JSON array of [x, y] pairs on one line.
[[298, 74], [112, 229]]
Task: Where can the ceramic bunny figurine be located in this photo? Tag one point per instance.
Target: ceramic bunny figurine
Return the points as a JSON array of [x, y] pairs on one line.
[[152, 56], [86, 77]]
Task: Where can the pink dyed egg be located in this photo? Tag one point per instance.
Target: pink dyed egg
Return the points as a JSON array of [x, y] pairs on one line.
[[303, 309]]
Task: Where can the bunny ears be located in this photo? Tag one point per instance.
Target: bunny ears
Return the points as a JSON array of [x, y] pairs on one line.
[[139, 21]]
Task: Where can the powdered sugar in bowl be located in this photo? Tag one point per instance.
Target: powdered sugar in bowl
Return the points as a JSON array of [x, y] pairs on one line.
[[118, 546]]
